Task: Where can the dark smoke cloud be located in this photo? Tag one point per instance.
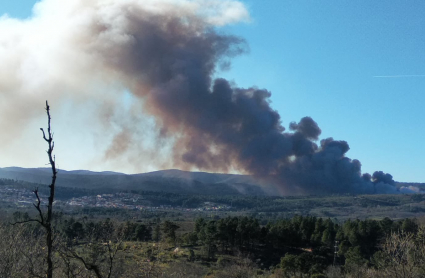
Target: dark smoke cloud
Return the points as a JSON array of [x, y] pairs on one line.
[[220, 126], [168, 57]]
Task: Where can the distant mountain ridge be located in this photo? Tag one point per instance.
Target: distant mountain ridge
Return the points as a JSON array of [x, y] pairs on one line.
[[173, 181]]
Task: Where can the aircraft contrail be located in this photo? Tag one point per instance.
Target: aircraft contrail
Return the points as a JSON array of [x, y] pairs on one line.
[[399, 76]]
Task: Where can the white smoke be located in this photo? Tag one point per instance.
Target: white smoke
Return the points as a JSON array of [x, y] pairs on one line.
[[54, 55]]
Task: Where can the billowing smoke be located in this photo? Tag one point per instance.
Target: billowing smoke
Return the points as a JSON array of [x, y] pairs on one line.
[[167, 53]]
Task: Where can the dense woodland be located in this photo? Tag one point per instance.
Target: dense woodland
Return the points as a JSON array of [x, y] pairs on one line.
[[301, 246]]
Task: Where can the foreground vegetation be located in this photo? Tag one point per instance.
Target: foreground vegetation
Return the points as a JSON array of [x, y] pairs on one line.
[[301, 246], [253, 237]]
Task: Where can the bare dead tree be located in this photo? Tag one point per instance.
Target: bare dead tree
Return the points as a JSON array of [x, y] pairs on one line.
[[101, 259], [46, 220], [100, 254], [21, 252], [402, 256]]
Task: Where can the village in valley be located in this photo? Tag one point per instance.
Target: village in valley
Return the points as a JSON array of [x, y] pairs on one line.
[[22, 197]]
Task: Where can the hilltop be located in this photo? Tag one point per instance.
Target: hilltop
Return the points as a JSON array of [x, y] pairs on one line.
[[172, 181]]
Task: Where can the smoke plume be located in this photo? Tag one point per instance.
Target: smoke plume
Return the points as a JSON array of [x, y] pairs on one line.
[[166, 54]]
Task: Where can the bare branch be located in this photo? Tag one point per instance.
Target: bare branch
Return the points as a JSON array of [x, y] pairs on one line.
[[37, 206], [26, 221], [88, 266], [44, 135], [112, 254]]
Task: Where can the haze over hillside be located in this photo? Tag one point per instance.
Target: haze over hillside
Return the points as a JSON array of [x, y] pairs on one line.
[[173, 181]]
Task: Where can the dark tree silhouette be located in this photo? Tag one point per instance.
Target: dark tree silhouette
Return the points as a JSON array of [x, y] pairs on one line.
[[46, 220]]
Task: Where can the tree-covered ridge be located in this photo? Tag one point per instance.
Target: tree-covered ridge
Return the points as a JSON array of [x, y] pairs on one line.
[[172, 181]]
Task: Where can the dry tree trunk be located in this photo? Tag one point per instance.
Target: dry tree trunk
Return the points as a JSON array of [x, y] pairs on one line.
[[48, 221]]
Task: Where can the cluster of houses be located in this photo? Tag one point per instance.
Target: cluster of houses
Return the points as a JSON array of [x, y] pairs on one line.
[[119, 200], [20, 196], [24, 197], [135, 202]]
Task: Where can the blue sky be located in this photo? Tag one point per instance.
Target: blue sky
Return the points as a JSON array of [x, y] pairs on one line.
[[319, 59], [323, 58]]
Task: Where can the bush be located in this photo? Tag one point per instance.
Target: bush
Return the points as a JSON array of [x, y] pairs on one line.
[[318, 275]]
